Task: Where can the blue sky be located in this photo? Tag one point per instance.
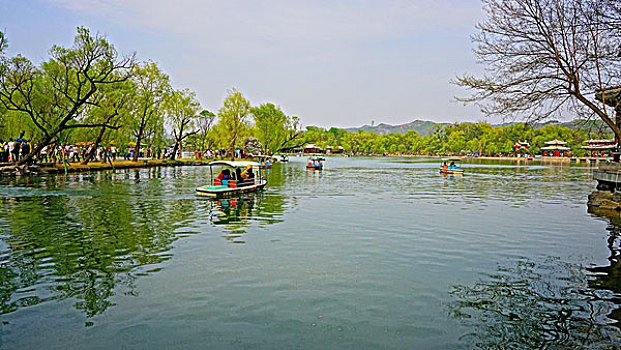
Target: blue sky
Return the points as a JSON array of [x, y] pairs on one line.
[[333, 63]]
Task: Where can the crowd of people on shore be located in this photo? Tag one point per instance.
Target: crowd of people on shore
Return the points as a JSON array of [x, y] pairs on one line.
[[15, 150]]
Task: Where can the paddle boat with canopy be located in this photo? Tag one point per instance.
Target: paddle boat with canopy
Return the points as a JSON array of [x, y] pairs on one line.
[[449, 167], [315, 162], [234, 177], [264, 161]]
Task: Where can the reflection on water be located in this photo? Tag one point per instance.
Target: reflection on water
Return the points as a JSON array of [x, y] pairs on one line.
[[530, 305], [364, 254], [540, 305], [235, 214], [238, 212], [608, 277], [82, 245], [88, 237]]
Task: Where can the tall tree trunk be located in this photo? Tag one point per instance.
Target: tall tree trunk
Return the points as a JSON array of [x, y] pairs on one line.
[[90, 154], [178, 140], [232, 150], [137, 148], [143, 125], [174, 151], [615, 155]]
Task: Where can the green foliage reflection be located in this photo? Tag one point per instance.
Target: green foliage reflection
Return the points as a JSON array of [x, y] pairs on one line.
[[85, 247], [236, 213]]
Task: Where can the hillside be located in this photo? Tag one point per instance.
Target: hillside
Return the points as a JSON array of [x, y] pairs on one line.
[[426, 127], [423, 127]]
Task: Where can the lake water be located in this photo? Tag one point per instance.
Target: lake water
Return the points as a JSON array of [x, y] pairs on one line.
[[369, 253]]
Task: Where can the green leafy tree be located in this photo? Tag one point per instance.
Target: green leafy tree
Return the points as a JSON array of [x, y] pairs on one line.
[[113, 106], [182, 110], [151, 90], [233, 120], [3, 45], [53, 97], [274, 129], [205, 138], [270, 124]]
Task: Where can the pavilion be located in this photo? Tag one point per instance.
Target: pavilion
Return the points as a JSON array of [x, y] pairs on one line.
[[555, 148], [312, 148], [600, 148], [521, 146]]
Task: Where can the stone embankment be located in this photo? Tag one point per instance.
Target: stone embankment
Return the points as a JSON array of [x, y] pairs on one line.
[[606, 199], [74, 167], [21, 170], [59, 168]]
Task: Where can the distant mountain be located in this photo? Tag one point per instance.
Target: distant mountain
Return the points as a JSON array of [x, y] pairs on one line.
[[426, 127], [422, 127], [578, 124]]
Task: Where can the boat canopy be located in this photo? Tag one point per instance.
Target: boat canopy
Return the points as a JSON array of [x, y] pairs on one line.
[[451, 159], [234, 164]]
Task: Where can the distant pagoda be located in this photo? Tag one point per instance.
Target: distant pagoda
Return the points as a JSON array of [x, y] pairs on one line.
[[555, 148]]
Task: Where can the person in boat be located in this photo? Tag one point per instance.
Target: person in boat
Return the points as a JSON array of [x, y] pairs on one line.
[[238, 177], [444, 166], [223, 177], [452, 166], [248, 175]]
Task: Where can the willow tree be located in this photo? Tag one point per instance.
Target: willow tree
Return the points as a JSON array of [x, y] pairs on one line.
[[54, 96], [151, 90], [3, 45], [547, 57], [205, 137], [182, 111], [233, 119], [271, 125], [110, 112]]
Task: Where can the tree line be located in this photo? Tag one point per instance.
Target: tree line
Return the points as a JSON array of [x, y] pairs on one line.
[[90, 93], [457, 138]]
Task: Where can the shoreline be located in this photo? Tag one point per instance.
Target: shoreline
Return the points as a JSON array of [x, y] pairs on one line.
[[98, 166], [571, 160], [76, 167]]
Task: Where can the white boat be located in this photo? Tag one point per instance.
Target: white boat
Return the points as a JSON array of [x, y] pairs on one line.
[[452, 171], [229, 182]]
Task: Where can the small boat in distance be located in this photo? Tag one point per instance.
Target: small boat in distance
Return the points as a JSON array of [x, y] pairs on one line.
[[265, 161], [234, 177], [315, 162], [451, 168]]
